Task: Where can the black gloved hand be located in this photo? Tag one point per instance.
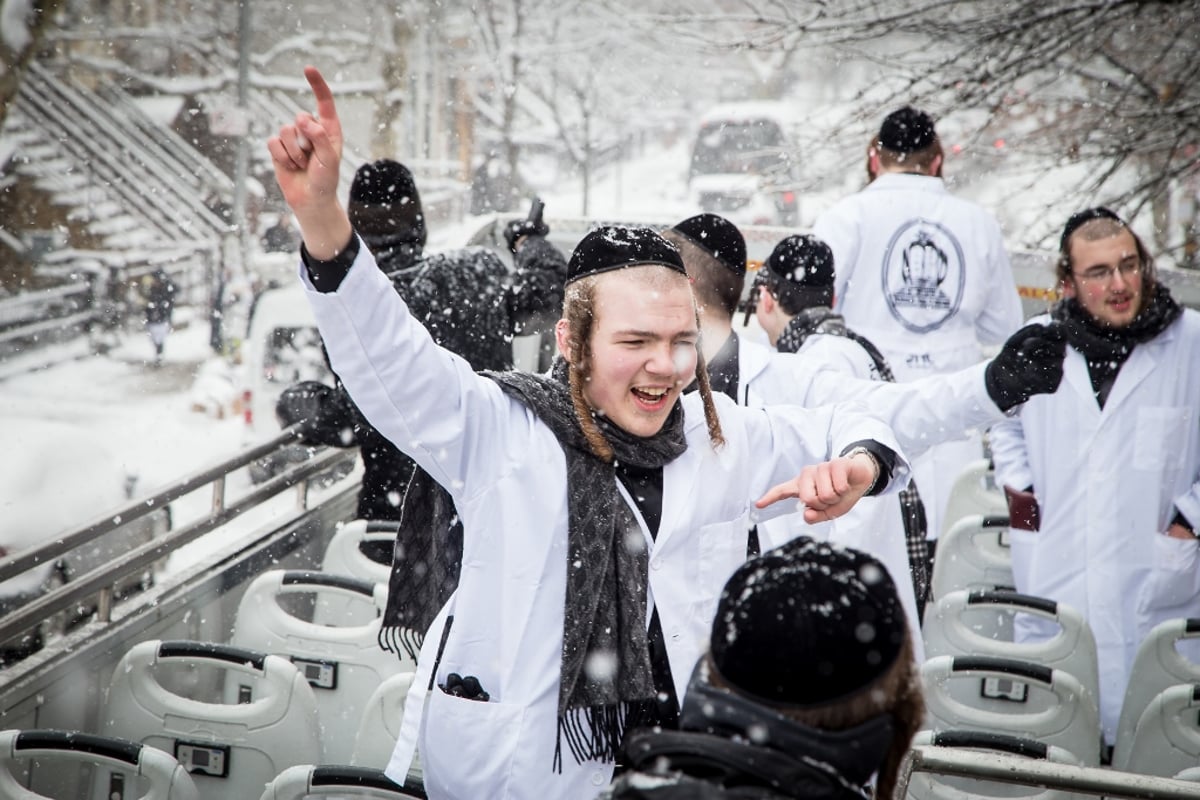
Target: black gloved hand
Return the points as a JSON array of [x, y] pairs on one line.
[[1031, 362], [302, 403], [514, 230]]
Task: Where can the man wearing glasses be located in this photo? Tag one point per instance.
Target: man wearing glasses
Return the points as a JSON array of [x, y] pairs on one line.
[[1103, 477]]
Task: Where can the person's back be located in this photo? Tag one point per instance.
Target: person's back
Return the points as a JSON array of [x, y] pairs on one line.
[[923, 274], [809, 688]]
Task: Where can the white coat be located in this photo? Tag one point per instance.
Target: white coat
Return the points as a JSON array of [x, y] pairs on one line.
[[920, 413], [507, 475], [1108, 482], [925, 276]]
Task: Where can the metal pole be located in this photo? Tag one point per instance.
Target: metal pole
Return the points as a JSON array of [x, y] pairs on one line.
[[242, 165]]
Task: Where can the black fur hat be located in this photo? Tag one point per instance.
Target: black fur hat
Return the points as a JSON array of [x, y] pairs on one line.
[[718, 237], [384, 202], [611, 247], [907, 130], [807, 624]]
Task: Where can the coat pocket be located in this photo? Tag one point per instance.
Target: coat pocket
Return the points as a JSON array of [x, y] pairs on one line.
[[468, 745], [1174, 576]]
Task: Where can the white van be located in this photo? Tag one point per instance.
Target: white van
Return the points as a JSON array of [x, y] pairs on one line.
[[745, 164]]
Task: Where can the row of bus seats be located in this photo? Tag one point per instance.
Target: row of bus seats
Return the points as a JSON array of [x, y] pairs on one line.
[[129, 769], [1038, 699], [301, 682]]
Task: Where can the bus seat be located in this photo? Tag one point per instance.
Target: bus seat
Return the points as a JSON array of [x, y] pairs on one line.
[[964, 623], [973, 554], [231, 749], [1166, 739], [344, 663], [1158, 665], [1018, 699], [361, 549], [974, 491], [380, 725]]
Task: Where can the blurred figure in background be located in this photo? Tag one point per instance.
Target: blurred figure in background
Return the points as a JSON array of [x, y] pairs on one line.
[[159, 293]]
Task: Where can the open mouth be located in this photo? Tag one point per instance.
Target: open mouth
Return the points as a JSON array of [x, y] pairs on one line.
[[651, 399]]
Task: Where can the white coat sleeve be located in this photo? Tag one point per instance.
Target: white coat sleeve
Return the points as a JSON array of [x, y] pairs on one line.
[[1010, 454], [426, 400], [838, 228], [1002, 313], [922, 413]]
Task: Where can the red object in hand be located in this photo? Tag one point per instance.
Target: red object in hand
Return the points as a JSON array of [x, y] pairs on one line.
[[1023, 511]]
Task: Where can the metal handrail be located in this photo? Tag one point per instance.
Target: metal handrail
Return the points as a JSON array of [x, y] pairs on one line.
[[103, 578], [1030, 772], [134, 509]]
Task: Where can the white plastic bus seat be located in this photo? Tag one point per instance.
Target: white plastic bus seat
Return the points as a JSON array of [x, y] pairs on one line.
[[963, 623], [1166, 739], [230, 749], [1018, 699], [120, 765], [929, 786], [973, 554], [1158, 666], [344, 663], [350, 552], [974, 491], [300, 783], [380, 726]]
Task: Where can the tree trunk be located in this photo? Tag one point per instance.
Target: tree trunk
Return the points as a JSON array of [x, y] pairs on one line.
[[12, 64]]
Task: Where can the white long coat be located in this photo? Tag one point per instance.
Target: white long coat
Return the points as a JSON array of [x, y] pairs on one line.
[[920, 413], [926, 277], [1108, 482], [507, 475]]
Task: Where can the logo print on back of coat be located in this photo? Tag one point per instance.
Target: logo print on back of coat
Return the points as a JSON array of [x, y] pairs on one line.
[[923, 275]]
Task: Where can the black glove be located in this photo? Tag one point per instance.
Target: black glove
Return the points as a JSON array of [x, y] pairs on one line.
[[523, 227], [1031, 362], [302, 404]]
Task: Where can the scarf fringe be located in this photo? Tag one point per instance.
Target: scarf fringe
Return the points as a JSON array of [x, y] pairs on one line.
[[400, 640], [595, 733]]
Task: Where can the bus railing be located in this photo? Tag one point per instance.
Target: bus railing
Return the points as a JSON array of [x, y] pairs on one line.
[[100, 581], [1011, 769]]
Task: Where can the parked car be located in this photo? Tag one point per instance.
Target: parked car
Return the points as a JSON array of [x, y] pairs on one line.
[[64, 478], [745, 164]]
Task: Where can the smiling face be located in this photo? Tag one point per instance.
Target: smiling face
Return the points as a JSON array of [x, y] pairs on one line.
[[642, 345], [1105, 277]]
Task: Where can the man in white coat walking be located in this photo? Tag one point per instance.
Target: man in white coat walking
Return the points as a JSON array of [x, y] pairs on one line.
[[923, 274], [1104, 475], [602, 511]]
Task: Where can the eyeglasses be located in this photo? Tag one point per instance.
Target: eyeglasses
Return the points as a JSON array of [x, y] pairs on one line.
[[1100, 274]]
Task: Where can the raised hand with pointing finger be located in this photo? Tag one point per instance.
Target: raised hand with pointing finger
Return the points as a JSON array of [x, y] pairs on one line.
[[306, 155]]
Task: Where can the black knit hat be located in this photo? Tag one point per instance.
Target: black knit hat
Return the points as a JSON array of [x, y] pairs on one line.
[[612, 247], [800, 271], [718, 237], [384, 201], [807, 624], [907, 130]]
